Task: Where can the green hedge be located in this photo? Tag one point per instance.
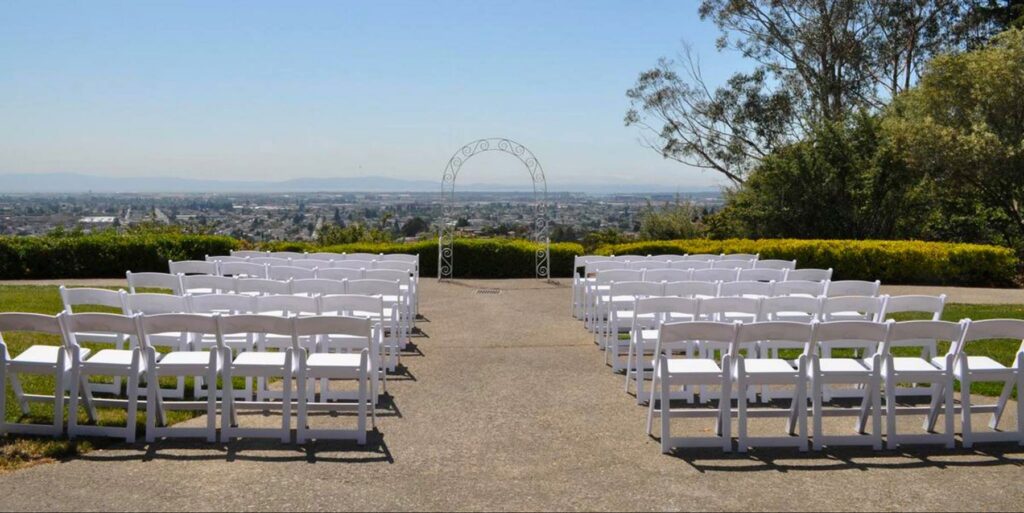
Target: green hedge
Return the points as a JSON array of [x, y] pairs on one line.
[[103, 255], [893, 262], [473, 258]]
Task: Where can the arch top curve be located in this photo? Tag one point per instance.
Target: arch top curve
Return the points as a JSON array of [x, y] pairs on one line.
[[539, 226]]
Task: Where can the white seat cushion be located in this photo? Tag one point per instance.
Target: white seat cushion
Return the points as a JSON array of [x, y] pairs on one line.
[[693, 366], [323, 360], [912, 364], [985, 366], [843, 365], [111, 358], [184, 359], [768, 366], [253, 359], [41, 356]]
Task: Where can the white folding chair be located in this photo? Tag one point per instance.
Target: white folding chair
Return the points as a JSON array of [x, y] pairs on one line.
[[192, 267], [852, 308], [861, 372], [249, 253], [207, 284], [732, 264], [223, 304], [335, 366], [353, 264], [739, 256], [165, 281], [746, 288], [757, 274], [918, 369], [288, 255], [339, 274], [325, 256], [715, 275], [983, 369], [271, 261], [781, 265], [931, 306], [405, 284], [617, 306], [809, 274], [728, 310], [657, 275], [690, 265], [311, 264], [314, 286], [283, 272], [599, 286], [265, 365], [38, 360], [243, 270], [384, 324], [178, 363], [806, 288], [697, 289], [152, 304], [764, 372], [648, 316], [125, 363], [391, 293], [79, 300], [260, 287], [852, 288], [703, 257], [677, 372], [282, 306]]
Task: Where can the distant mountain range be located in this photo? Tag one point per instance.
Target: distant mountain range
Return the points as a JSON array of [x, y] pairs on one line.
[[80, 183]]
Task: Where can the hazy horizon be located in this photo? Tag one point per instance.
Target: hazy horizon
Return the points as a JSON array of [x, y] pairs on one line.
[[272, 91]]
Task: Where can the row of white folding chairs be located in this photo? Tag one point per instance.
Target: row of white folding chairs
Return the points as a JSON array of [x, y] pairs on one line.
[[394, 286], [593, 267], [640, 315], [71, 365], [584, 287], [216, 290], [581, 260], [598, 294], [400, 257], [677, 373], [250, 265]]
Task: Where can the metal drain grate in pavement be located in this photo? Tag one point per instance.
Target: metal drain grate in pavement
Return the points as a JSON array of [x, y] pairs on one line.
[[488, 291]]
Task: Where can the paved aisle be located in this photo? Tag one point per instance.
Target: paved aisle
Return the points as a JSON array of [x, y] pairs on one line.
[[509, 407]]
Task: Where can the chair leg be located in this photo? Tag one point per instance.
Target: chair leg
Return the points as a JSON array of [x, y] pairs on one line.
[[211, 407], [76, 379], [940, 394], [891, 441], [650, 401], [725, 406], [133, 406], [286, 405], [152, 390], [1004, 396], [19, 394], [361, 408], [741, 406], [876, 412], [666, 419], [950, 413], [800, 401], [865, 410], [816, 398], [965, 412], [58, 400], [3, 391], [302, 422]]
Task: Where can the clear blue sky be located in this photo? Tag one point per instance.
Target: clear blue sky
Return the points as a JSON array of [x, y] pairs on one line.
[[272, 90]]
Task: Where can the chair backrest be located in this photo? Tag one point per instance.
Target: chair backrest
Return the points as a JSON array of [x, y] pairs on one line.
[[746, 288], [192, 267], [619, 275], [663, 258], [314, 286], [922, 334], [269, 260], [167, 281], [932, 305], [775, 264], [243, 269], [352, 305], [866, 308], [667, 275], [333, 325], [690, 264], [112, 324], [206, 284], [325, 256], [866, 335], [395, 265], [593, 268], [691, 289], [287, 305], [374, 287], [680, 337], [399, 257], [367, 257], [222, 259], [762, 274], [353, 264], [283, 272], [223, 303], [310, 263], [156, 304], [799, 288], [263, 287], [627, 258], [288, 255], [790, 308], [776, 334], [853, 288], [642, 264], [636, 289], [732, 264], [704, 257], [258, 325], [740, 256], [715, 274], [203, 325], [809, 274], [18, 322], [729, 309], [339, 273], [247, 253], [402, 277], [91, 297], [664, 308], [993, 329]]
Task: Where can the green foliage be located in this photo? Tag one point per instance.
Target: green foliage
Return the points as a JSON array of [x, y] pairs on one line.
[[893, 262], [331, 234], [414, 226], [104, 254], [672, 221], [602, 237], [474, 258]]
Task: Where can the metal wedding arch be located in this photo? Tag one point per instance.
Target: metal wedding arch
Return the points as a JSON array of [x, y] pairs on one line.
[[539, 226]]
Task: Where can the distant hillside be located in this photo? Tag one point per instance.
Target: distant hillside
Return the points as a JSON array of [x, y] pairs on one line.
[[80, 183]]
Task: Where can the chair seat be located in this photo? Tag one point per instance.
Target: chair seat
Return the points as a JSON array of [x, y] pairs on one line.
[[792, 316], [985, 366], [333, 360], [693, 366], [768, 366], [184, 360], [911, 364], [261, 361], [847, 316], [843, 366], [111, 358], [41, 356]]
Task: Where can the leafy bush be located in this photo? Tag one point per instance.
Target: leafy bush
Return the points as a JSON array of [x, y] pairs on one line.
[[473, 258], [894, 262], [104, 255]]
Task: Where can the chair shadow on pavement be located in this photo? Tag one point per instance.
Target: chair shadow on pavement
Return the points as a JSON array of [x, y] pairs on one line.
[[844, 458]]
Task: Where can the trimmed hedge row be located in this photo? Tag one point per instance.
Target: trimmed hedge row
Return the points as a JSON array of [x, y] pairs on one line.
[[893, 262], [104, 255], [473, 258]]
